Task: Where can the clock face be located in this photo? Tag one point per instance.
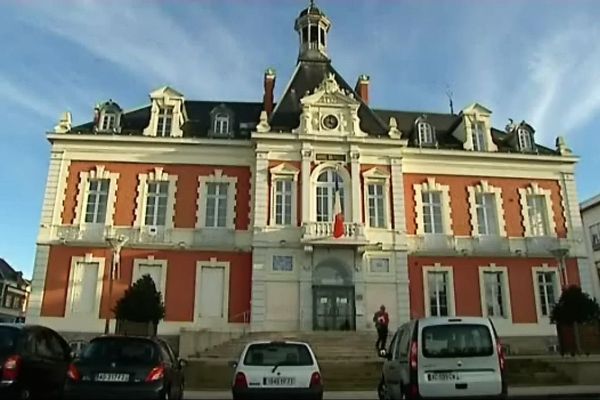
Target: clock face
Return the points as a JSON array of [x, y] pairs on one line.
[[330, 121]]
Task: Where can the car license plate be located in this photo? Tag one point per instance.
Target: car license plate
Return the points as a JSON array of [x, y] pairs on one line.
[[110, 377], [443, 377], [279, 381]]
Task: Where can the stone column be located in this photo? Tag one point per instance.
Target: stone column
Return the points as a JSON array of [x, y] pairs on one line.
[[307, 156], [356, 202]]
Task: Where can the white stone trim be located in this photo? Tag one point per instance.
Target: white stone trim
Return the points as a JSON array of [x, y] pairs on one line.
[[431, 185], [506, 287], [376, 175], [83, 188], [284, 172], [150, 260], [347, 185], [375, 255], [166, 97], [211, 322], [485, 187], [535, 189], [536, 291], [216, 177], [471, 115], [88, 258], [437, 267], [157, 175]]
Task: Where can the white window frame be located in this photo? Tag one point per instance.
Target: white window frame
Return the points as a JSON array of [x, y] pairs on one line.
[[430, 185], [538, 305], [594, 231], [493, 268], [377, 176], [83, 189], [281, 271], [105, 119], [216, 177], [224, 319], [164, 113], [425, 131], [284, 172], [535, 189], [88, 258], [524, 137], [163, 264], [222, 124], [437, 267], [163, 98], [346, 184], [477, 114], [485, 188], [156, 175], [478, 136]]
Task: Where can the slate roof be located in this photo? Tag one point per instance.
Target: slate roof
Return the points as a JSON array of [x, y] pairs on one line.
[[308, 75], [8, 273]]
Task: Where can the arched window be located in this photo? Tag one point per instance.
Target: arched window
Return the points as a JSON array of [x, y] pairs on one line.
[[425, 131], [326, 185], [221, 124], [524, 137]]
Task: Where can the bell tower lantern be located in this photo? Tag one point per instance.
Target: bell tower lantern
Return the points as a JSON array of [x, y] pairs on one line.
[[312, 26]]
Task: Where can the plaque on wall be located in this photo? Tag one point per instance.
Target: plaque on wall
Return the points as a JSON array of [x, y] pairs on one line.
[[330, 157]]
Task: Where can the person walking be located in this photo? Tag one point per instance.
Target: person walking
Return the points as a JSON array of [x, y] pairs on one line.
[[381, 320]]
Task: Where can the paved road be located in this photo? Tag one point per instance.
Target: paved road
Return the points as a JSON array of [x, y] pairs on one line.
[[558, 392]]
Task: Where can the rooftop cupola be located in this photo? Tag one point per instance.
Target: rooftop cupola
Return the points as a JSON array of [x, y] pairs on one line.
[[312, 26]]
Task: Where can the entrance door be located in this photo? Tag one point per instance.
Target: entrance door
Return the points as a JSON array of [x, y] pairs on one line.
[[333, 308], [212, 281]]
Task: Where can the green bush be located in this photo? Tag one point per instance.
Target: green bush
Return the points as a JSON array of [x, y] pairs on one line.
[[575, 306], [141, 303]]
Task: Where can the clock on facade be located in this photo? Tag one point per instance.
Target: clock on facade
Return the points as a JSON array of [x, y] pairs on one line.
[[330, 121]]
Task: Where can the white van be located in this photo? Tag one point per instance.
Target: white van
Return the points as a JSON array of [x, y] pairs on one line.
[[444, 357], [277, 370]]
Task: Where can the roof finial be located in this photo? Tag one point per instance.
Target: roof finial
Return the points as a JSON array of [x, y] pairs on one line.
[[311, 4]]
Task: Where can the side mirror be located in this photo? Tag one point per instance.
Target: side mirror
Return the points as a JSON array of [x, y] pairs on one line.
[[233, 364], [182, 363]]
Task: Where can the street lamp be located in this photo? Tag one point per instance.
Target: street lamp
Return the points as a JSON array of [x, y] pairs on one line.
[[561, 253], [116, 243]]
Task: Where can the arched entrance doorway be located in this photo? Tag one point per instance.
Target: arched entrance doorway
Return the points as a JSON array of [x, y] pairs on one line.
[[333, 297]]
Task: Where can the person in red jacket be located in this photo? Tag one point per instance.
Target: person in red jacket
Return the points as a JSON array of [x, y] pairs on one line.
[[381, 320]]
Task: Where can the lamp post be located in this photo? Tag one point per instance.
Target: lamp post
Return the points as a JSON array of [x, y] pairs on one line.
[[116, 244], [560, 253]]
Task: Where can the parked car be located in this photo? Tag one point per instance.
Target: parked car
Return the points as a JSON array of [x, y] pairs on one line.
[[118, 367], [33, 362], [444, 358], [277, 370], [77, 346]]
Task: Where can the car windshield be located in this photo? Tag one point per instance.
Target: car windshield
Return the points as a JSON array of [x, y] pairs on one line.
[[8, 340], [452, 340], [271, 354], [121, 350]]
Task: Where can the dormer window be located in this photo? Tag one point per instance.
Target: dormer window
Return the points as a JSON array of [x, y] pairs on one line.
[[425, 132], [221, 124], [478, 136], [108, 122], [108, 117], [165, 122], [524, 138]]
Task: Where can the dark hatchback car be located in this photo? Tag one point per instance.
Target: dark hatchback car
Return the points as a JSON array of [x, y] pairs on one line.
[[126, 367], [33, 362]]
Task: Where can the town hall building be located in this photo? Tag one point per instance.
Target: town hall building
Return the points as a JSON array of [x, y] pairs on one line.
[[229, 207]]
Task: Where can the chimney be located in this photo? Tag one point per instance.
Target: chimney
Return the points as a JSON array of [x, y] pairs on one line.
[[269, 84], [362, 88]]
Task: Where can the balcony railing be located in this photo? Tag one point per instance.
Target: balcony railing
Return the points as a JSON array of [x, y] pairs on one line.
[[433, 244], [84, 233], [315, 231]]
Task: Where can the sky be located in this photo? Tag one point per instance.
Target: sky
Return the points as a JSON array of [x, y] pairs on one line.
[[528, 60]]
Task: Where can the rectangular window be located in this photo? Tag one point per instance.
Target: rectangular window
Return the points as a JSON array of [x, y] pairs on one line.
[[478, 136], [283, 202], [525, 142], [432, 212], [216, 204], [155, 272], [379, 265], [221, 124], [487, 221], [457, 341], [376, 204], [538, 215], [108, 122], [546, 282], [595, 236], [84, 287], [95, 212], [156, 203], [165, 121], [438, 293], [283, 263], [493, 283]]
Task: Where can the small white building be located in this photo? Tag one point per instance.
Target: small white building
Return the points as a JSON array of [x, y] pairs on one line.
[[590, 215]]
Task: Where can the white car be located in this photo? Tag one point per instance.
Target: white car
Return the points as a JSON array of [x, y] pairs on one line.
[[277, 370], [444, 358]]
